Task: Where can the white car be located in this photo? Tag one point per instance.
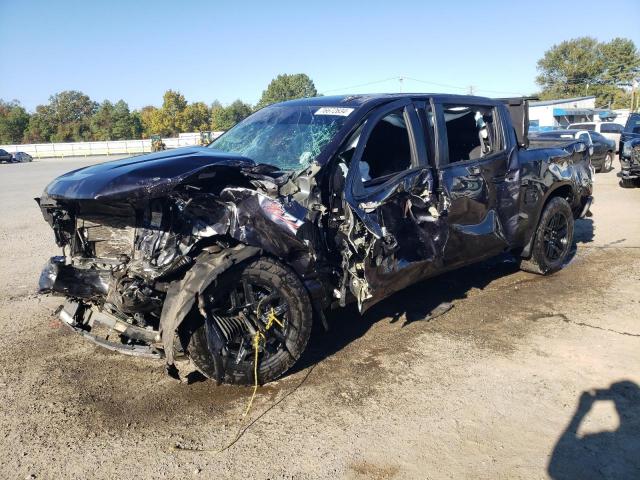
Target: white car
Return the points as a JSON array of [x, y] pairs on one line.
[[610, 130]]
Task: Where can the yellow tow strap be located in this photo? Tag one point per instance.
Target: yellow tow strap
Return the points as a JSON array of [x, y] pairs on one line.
[[257, 338]]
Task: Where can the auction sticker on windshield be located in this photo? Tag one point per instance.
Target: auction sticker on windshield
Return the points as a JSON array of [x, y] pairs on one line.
[[336, 111]]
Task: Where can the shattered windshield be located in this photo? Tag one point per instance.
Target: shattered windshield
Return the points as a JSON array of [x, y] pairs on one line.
[[287, 137]]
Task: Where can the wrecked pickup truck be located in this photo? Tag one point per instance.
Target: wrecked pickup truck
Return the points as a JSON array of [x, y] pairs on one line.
[[630, 152], [226, 254]]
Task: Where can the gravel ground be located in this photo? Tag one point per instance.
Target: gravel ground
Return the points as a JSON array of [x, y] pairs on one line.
[[493, 388]]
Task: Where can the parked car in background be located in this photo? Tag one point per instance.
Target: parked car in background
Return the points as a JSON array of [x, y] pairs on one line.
[[603, 151], [5, 156], [630, 152], [22, 157], [610, 130], [600, 148]]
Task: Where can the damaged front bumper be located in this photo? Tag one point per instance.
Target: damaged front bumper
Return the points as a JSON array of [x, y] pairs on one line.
[[132, 340], [81, 319], [91, 320], [630, 167], [59, 278], [631, 173]]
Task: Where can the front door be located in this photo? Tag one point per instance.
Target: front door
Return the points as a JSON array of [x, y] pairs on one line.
[[396, 234]]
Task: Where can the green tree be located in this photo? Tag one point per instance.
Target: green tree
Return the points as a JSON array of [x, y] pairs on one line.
[[583, 66], [125, 124], [147, 119], [102, 122], [223, 118], [41, 126], [167, 120], [136, 124], [67, 117], [195, 118], [71, 113], [621, 60], [14, 120], [287, 87]]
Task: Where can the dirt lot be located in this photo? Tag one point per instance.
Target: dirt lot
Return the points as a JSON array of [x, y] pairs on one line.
[[491, 389]]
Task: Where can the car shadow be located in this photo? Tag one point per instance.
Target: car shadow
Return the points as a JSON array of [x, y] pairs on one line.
[[409, 305], [584, 230], [606, 454]]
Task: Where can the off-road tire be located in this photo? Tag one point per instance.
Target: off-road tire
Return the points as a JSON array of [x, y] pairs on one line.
[[539, 262], [300, 319]]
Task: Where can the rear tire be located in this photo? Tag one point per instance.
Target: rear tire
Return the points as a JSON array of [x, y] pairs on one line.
[[553, 238], [608, 162], [627, 183], [268, 274]]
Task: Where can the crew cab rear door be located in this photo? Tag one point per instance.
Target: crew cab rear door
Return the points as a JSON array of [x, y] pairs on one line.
[[472, 163], [394, 237]]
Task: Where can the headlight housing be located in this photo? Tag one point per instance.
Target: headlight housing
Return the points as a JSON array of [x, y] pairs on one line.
[[626, 149]]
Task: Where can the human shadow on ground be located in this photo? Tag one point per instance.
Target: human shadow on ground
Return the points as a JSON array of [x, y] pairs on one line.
[[603, 455]]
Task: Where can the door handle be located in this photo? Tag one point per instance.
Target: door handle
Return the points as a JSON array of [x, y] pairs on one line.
[[474, 170]]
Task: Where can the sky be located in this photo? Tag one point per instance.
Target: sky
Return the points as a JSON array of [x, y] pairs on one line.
[[225, 50]]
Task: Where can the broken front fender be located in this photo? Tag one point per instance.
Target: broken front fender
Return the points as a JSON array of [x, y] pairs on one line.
[[183, 294]]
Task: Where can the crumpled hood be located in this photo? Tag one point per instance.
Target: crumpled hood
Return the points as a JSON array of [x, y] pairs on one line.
[[141, 177]]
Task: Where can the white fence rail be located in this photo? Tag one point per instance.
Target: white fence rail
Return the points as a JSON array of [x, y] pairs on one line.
[[112, 147]]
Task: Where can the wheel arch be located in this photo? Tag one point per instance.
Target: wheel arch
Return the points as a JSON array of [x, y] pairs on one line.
[[563, 190], [182, 294]]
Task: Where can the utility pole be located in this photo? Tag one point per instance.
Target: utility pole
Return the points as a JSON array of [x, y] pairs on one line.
[[400, 79], [471, 89]]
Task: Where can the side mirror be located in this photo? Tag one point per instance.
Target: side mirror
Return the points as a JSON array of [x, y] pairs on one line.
[[580, 147]]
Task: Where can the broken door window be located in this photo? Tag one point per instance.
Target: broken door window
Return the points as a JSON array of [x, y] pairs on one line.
[[471, 132], [388, 149]]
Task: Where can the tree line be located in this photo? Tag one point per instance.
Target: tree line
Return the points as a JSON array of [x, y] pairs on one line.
[[577, 67], [583, 66], [72, 116]]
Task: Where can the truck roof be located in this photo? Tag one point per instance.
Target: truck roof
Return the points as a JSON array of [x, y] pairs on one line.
[[371, 99]]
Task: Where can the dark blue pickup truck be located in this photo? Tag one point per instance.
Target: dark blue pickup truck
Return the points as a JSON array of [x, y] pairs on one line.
[[630, 152], [228, 253]]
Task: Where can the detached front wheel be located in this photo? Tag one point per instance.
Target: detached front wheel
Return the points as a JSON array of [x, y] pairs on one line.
[[261, 303], [553, 238]]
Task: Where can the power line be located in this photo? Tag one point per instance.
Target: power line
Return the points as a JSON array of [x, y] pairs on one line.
[[361, 85], [402, 78]]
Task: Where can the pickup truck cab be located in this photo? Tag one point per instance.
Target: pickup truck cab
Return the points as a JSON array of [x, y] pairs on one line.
[[227, 253], [630, 152]]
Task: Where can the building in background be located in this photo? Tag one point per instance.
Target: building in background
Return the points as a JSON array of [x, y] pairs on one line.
[[550, 114]]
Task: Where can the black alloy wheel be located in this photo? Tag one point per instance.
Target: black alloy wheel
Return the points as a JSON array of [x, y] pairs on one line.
[[555, 237]]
